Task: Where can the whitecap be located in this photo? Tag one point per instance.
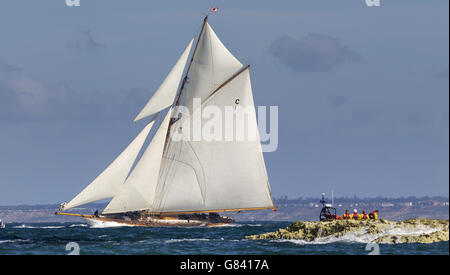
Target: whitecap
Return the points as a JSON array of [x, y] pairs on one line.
[[186, 240], [78, 225], [12, 241], [24, 226]]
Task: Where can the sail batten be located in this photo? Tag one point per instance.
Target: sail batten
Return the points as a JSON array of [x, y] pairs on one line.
[[165, 95]]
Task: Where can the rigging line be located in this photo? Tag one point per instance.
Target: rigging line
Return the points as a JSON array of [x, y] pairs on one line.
[[196, 176], [205, 20], [202, 188]]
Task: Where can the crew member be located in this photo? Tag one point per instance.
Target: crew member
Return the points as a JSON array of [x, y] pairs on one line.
[[346, 215], [364, 215], [355, 215], [373, 215]]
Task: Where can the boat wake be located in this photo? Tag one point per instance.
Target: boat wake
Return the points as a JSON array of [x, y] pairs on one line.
[[48, 226], [103, 224], [43, 227]]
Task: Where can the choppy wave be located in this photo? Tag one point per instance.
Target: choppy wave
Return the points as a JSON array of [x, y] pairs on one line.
[[236, 225], [50, 238], [48, 226], [44, 227], [13, 241], [78, 225], [187, 240]]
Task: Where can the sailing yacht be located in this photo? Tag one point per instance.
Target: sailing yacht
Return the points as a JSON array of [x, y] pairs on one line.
[[185, 181]]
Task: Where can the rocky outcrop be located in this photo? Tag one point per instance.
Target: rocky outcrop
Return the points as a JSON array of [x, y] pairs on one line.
[[378, 231]]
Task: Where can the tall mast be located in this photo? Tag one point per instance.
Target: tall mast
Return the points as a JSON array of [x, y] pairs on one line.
[[186, 76], [190, 63]]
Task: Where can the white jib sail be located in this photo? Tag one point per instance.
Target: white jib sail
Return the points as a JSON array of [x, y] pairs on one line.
[[212, 65], [138, 191], [109, 181], [216, 175], [166, 93]]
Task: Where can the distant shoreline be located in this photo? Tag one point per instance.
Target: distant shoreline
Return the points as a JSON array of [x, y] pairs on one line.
[[301, 209]]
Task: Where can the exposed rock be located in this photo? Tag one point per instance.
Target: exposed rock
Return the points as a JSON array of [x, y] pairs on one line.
[[379, 231]]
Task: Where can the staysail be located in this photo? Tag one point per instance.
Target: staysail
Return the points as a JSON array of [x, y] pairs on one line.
[[107, 184], [137, 193], [165, 94], [214, 175]]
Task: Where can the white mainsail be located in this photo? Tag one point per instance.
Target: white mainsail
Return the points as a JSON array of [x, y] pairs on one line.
[[137, 193], [213, 64], [107, 184], [166, 93], [209, 176]]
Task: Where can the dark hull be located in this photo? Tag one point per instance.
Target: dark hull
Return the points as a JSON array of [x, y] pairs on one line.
[[155, 221]]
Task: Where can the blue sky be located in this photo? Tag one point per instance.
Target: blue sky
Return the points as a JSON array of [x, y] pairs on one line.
[[362, 91]]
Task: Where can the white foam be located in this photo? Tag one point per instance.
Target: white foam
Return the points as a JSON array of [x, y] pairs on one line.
[[43, 227], [102, 224], [24, 226], [78, 225], [186, 240], [361, 236], [12, 241]]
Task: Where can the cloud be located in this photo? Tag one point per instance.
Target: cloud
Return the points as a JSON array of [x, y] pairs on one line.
[[84, 41], [5, 67], [339, 100], [30, 93], [312, 53], [27, 99]]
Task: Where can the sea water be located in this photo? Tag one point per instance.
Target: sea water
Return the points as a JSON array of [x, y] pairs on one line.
[[81, 238]]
